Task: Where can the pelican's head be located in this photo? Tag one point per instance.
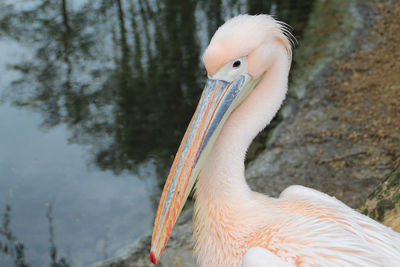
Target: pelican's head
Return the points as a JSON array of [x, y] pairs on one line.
[[239, 54]]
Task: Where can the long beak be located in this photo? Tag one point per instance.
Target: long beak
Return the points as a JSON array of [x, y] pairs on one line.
[[218, 100]]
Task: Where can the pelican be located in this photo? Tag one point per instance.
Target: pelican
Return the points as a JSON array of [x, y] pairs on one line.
[[247, 62]]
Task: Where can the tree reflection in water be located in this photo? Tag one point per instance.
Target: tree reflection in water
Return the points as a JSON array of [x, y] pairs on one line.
[[62, 262], [9, 244], [124, 76], [13, 248]]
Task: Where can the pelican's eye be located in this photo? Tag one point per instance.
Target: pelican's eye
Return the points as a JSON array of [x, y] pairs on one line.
[[236, 64], [231, 70]]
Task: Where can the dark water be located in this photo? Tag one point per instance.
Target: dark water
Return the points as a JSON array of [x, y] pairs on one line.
[[94, 99]]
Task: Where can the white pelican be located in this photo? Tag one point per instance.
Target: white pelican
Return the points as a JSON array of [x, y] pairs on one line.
[[248, 61]]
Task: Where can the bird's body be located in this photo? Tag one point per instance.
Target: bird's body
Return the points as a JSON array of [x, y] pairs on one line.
[[303, 227], [248, 62]]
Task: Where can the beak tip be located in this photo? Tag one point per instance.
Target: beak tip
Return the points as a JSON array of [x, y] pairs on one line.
[[153, 257]]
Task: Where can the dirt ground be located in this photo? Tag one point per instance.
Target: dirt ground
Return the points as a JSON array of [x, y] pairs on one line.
[[368, 99]]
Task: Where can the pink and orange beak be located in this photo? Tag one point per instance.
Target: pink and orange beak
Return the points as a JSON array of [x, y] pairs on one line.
[[218, 100]]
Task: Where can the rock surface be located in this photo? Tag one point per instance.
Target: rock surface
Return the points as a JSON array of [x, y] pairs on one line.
[[342, 133], [384, 203]]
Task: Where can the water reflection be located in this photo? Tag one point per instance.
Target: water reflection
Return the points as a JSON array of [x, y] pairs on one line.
[[12, 247], [9, 244], [55, 262], [123, 77]]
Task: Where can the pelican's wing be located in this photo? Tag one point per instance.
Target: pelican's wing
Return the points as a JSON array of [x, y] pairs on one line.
[[383, 238], [261, 257], [298, 191]]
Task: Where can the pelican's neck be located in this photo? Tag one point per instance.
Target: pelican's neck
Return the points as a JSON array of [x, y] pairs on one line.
[[222, 176]]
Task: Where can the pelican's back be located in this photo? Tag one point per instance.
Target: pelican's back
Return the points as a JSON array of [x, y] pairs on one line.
[[326, 232]]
